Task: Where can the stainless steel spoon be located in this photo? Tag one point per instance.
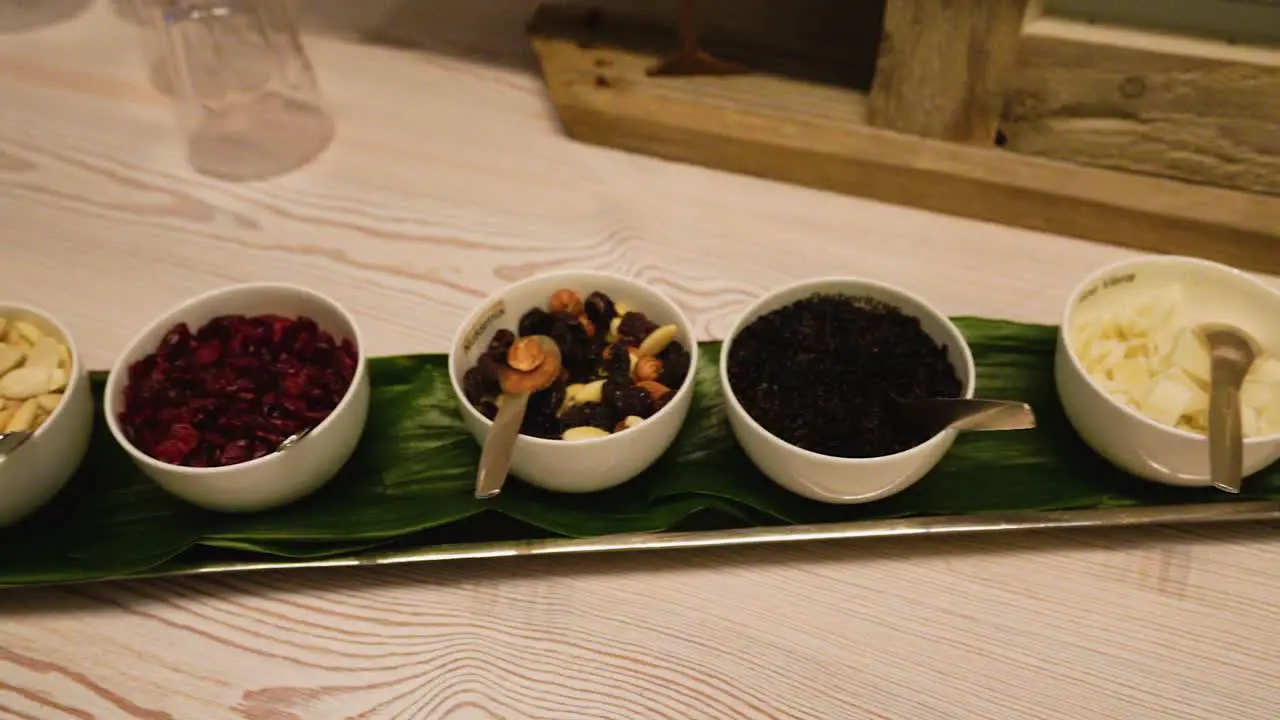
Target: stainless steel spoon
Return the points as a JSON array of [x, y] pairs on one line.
[[495, 457], [1231, 354], [966, 414], [11, 441]]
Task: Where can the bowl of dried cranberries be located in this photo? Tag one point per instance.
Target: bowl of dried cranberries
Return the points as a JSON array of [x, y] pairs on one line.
[[627, 365], [812, 374], [205, 397]]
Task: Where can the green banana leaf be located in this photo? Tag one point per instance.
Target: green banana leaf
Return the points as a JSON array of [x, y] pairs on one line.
[[410, 482]]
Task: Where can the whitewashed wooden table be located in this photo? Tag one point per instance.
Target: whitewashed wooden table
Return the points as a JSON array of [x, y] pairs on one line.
[[449, 178]]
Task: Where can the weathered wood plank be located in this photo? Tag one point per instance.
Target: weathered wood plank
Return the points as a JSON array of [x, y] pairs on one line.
[[816, 135], [944, 66], [1193, 109]]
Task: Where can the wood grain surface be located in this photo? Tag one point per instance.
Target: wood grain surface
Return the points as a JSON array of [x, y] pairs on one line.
[[1193, 109], [448, 179]]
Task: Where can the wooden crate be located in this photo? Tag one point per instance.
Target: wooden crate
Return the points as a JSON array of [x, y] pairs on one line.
[[1161, 143]]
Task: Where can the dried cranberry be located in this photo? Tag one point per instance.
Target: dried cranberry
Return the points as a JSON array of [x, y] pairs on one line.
[[234, 389]]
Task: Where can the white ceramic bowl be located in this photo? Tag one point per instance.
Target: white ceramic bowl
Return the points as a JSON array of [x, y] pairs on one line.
[[579, 466], [33, 474], [274, 479], [1126, 438], [834, 479]]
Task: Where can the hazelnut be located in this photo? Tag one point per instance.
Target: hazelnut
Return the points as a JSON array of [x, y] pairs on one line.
[[648, 368], [655, 389], [566, 301], [526, 354]]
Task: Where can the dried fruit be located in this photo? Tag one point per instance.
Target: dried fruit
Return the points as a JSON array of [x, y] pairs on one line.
[[235, 389], [603, 380], [34, 369], [635, 327]]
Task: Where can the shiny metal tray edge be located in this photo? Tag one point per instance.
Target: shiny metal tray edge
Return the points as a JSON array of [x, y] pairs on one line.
[[1220, 512]]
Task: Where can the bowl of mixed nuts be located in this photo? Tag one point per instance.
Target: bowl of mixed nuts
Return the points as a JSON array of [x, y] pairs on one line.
[[242, 399], [613, 403], [46, 410]]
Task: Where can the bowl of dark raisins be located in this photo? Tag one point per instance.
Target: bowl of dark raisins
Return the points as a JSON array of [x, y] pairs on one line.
[[628, 359], [812, 374]]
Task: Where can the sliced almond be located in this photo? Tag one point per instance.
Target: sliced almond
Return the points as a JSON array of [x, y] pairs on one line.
[[57, 380], [658, 340], [628, 422], [27, 331], [584, 432], [49, 401], [64, 357], [19, 342], [24, 419], [583, 393], [40, 419], [3, 324], [11, 356], [44, 353], [26, 382], [614, 324], [6, 413]]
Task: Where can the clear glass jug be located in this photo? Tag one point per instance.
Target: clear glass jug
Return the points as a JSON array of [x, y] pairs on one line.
[[247, 94]]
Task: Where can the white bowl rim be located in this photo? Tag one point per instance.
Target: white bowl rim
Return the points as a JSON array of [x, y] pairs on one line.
[[108, 401], [1172, 260], [970, 381], [682, 322], [75, 375]]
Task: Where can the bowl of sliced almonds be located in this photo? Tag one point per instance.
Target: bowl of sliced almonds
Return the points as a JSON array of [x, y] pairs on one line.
[[1133, 372], [46, 410]]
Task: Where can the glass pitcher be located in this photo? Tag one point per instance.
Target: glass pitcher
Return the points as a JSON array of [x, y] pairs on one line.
[[247, 95]]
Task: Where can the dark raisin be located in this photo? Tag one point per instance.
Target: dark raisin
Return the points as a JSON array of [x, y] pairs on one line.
[[590, 414], [634, 400], [491, 370], [660, 402], [488, 409], [535, 322], [616, 362], [474, 385], [541, 426], [548, 401], [600, 311], [635, 327], [500, 344], [675, 365]]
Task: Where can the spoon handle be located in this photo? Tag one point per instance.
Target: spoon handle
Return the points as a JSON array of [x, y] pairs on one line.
[[495, 457], [1226, 437], [971, 414]]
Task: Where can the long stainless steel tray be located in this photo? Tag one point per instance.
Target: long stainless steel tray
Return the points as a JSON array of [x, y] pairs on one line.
[[1202, 513]]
